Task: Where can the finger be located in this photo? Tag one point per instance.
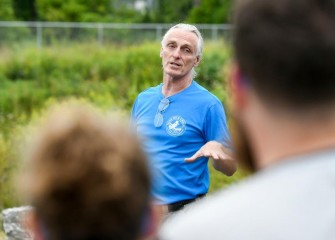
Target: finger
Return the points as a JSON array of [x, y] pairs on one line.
[[194, 157], [207, 154], [215, 156]]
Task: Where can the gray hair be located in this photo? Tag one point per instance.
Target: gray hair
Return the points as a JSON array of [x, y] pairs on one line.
[[188, 28]]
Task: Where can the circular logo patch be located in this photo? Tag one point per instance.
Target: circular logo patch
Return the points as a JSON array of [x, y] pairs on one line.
[[176, 126]]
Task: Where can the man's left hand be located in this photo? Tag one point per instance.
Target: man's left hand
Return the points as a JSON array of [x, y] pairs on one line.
[[222, 160]]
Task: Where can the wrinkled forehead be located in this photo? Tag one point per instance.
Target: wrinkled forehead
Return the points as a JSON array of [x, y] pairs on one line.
[[181, 36]]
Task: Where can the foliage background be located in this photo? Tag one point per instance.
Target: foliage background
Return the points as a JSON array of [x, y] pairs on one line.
[[156, 11], [110, 78]]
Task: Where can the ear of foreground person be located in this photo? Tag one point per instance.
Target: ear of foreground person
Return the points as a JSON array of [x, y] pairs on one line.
[[283, 101], [86, 177]]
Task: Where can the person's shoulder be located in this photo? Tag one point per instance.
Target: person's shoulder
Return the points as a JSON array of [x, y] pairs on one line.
[[204, 219], [149, 91], [220, 215], [205, 94], [246, 210]]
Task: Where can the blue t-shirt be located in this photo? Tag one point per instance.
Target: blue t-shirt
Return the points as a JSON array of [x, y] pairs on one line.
[[193, 117]]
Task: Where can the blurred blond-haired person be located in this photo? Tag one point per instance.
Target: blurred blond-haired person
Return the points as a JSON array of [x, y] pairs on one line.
[[86, 177]]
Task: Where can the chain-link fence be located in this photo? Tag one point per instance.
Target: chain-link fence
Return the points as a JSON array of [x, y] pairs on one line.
[[50, 33]]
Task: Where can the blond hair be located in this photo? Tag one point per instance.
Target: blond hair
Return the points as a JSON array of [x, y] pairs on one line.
[[87, 176]]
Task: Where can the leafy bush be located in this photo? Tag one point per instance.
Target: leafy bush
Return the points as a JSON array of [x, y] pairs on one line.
[[8, 165], [86, 70]]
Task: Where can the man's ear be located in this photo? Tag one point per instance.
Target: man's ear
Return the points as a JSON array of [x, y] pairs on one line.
[[154, 218], [197, 61], [32, 224], [161, 52], [237, 87]]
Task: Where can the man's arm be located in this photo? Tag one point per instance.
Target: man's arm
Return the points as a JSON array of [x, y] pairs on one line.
[[222, 159]]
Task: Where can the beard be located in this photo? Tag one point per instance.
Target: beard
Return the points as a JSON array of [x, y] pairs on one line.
[[242, 147]]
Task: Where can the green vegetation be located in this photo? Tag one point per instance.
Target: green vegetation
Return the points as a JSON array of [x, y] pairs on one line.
[[219, 181], [162, 11], [211, 11], [110, 78], [6, 11], [72, 10]]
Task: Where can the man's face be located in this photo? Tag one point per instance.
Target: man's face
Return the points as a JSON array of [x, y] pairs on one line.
[[243, 149], [242, 146], [179, 53]]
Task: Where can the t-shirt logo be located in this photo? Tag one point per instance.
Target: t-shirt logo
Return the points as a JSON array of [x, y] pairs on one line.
[[176, 126]]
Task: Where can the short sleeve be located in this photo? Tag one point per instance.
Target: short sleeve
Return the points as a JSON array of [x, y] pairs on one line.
[[215, 126]]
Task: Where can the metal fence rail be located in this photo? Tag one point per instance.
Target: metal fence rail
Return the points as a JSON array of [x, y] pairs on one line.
[[48, 33]]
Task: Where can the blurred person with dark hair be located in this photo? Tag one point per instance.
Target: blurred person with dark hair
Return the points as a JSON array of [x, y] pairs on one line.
[[182, 124], [87, 177], [283, 95]]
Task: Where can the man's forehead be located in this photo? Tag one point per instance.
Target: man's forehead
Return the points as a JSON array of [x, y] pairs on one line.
[[183, 36]]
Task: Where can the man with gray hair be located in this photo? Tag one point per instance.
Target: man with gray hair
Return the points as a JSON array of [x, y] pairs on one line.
[[182, 124]]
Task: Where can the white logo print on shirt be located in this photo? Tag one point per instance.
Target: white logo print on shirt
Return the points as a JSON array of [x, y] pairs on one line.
[[176, 126]]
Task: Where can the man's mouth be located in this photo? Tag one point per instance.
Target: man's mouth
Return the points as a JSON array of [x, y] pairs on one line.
[[175, 64]]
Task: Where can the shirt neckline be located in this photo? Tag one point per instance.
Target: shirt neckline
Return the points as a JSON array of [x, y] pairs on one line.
[[172, 97]]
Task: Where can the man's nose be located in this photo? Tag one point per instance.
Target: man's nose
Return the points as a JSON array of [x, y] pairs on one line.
[[176, 53]]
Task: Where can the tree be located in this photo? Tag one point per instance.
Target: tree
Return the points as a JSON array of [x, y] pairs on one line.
[[6, 10], [211, 11], [74, 10], [25, 10], [167, 11]]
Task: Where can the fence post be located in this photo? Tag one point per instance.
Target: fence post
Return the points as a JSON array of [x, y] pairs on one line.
[[158, 32], [39, 35], [100, 34], [214, 32]]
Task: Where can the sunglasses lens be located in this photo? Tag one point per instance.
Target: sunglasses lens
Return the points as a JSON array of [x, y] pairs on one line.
[[158, 120], [164, 103]]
